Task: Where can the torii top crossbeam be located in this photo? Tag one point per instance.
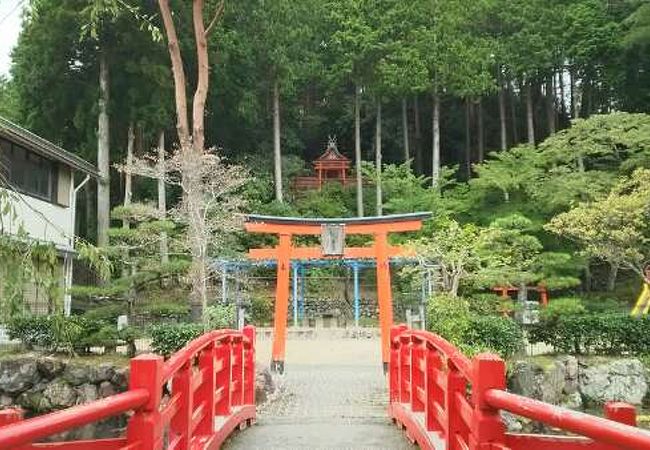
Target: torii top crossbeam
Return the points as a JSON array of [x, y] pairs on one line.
[[332, 232]]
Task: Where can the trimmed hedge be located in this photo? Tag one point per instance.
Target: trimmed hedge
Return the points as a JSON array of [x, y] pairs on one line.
[[594, 334], [454, 319], [168, 339], [74, 334]]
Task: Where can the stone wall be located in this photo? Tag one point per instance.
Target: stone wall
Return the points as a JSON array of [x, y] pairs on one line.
[[579, 384], [40, 384]]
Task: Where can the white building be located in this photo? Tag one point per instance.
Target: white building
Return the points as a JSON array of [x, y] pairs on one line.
[[44, 189]]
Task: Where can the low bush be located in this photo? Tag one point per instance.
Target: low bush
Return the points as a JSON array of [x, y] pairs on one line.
[[166, 311], [490, 305], [168, 339], [448, 317], [74, 334], [219, 316], [498, 334], [562, 307], [594, 334], [473, 332], [261, 310]]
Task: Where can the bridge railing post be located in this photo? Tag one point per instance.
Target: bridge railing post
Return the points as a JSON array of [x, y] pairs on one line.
[[418, 368], [487, 429], [394, 363], [456, 386], [620, 412], [206, 391], [435, 395], [223, 380], [181, 422], [144, 429], [237, 371], [249, 366], [405, 385]]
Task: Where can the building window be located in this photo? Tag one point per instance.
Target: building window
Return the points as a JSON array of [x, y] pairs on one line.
[[29, 173]]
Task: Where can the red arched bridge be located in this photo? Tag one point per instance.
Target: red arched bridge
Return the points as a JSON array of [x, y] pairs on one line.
[[440, 397]]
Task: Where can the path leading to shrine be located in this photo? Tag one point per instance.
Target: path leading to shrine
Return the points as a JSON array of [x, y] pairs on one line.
[[333, 396]]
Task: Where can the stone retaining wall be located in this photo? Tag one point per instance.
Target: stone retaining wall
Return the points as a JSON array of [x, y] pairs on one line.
[[41, 384]]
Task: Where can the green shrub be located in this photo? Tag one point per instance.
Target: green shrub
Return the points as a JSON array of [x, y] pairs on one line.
[[498, 334], [71, 334], [448, 317], [594, 334], [107, 313], [562, 307], [219, 316], [167, 310], [32, 331], [261, 310], [452, 318], [486, 304], [168, 339]]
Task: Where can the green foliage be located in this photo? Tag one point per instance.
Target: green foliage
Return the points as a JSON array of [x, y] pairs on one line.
[[165, 311], [488, 304], [614, 229], [497, 334], [261, 310], [562, 307], [473, 331], [449, 317], [219, 316], [168, 339], [75, 334], [594, 334]]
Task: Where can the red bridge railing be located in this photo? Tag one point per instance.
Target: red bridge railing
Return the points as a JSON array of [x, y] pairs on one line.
[[445, 400], [193, 400]]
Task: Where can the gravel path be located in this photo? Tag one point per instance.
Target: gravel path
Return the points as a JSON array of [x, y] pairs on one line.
[[333, 396]]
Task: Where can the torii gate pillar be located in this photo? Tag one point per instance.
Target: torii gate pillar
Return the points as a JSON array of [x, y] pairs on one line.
[[285, 252]]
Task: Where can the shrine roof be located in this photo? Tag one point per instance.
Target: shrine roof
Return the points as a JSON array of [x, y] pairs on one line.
[[331, 153]]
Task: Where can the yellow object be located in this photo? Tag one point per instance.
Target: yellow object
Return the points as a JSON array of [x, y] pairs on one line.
[[643, 302]]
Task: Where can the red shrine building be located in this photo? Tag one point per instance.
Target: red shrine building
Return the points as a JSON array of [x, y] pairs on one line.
[[331, 166]]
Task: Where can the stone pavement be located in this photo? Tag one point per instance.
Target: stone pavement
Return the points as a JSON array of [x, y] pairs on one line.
[[332, 396]]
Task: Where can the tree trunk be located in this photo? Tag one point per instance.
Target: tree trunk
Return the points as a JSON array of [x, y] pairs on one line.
[[513, 115], [435, 148], [530, 123], [611, 277], [162, 196], [550, 105], [588, 277], [103, 154], [502, 115], [575, 107], [562, 92], [378, 158], [468, 138], [178, 72], [481, 130], [405, 131], [418, 136], [357, 148], [277, 154], [128, 177]]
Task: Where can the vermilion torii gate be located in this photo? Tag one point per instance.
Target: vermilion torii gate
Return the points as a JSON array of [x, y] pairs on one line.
[[333, 232]]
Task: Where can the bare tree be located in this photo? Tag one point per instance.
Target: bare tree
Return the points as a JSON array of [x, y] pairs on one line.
[[191, 158]]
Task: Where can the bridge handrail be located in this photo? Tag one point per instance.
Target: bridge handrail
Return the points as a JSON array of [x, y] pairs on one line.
[[437, 393], [212, 377], [596, 428], [37, 428]]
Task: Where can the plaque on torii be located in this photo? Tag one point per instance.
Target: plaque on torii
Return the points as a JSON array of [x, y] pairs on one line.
[[333, 233]]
